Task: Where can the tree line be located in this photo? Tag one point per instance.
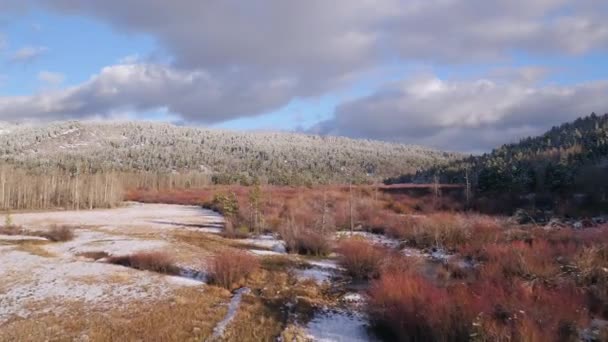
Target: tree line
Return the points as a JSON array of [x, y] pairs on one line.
[[570, 159], [228, 157], [22, 189]]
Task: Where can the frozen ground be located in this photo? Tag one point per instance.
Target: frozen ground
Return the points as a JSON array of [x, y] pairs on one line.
[[338, 326], [132, 215], [39, 276]]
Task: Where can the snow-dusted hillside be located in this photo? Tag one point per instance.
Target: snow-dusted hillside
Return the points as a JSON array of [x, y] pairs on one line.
[[279, 157]]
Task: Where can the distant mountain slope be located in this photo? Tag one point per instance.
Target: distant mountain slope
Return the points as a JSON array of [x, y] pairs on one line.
[[571, 158], [280, 158]]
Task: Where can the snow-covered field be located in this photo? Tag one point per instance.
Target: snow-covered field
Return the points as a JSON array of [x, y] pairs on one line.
[[39, 276], [131, 216]]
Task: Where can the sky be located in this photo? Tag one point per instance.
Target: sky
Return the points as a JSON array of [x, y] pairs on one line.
[[458, 75]]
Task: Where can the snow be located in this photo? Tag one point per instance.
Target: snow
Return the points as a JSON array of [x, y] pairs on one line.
[[21, 238], [29, 280], [338, 326], [33, 284], [270, 242], [92, 241], [378, 239], [233, 308], [353, 297], [132, 215], [260, 252], [325, 263], [184, 281], [318, 275]]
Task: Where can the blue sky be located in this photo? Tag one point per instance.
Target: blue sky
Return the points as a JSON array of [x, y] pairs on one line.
[[432, 76]]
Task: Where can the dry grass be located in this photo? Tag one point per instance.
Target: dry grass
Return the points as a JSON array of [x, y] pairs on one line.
[[95, 255], [189, 315], [258, 319], [60, 234], [35, 248], [149, 261], [230, 268]]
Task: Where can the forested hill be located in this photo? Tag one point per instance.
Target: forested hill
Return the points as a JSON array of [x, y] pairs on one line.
[[279, 158], [571, 158]]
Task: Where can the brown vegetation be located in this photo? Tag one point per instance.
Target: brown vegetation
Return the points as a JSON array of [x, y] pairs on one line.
[[231, 267], [149, 261], [360, 258], [58, 233]]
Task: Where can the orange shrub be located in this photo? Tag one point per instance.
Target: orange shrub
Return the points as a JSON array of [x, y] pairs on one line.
[[230, 267]]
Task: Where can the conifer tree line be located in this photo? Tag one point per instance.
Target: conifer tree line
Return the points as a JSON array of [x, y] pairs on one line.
[[569, 159]]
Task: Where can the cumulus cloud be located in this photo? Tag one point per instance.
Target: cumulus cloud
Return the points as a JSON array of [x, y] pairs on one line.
[[28, 54], [236, 58], [194, 95], [463, 115], [344, 34], [322, 45]]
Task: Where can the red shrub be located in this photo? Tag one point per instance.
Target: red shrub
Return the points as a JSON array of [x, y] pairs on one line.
[[360, 258], [306, 241], [413, 309], [150, 261], [230, 267]]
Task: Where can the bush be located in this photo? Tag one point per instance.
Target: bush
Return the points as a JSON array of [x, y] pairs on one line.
[[411, 308], [148, 261], [360, 258], [230, 267], [233, 229], [59, 234], [306, 241]]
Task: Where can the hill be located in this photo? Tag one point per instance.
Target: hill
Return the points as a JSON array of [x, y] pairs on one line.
[[229, 157], [568, 160]]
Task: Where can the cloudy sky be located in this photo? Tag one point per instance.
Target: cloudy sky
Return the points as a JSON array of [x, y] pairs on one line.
[[461, 75]]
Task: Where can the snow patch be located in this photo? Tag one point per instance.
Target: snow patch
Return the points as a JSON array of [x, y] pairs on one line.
[[260, 252], [338, 326], [269, 242], [21, 238], [30, 279], [319, 276]]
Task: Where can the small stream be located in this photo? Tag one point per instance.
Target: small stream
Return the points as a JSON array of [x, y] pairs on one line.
[[233, 308]]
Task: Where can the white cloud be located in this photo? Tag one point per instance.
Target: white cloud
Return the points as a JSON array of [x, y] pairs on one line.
[[193, 95], [51, 78], [323, 45], [236, 58], [28, 54], [464, 115]]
